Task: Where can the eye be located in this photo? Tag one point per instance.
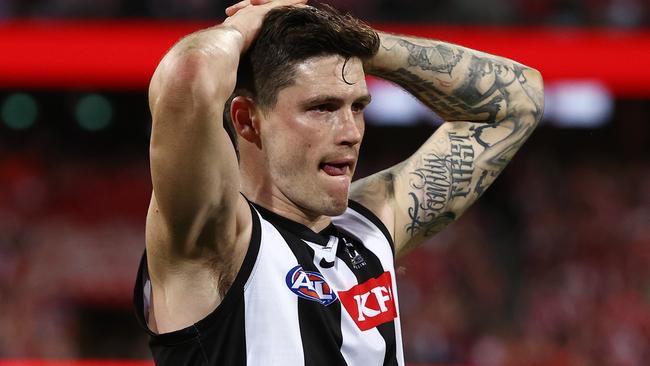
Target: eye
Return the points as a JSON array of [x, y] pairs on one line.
[[359, 107], [324, 107]]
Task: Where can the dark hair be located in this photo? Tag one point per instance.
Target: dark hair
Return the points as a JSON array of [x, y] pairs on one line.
[[290, 35]]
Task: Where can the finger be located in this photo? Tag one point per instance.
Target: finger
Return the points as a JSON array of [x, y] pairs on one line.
[[293, 2], [231, 10], [278, 3]]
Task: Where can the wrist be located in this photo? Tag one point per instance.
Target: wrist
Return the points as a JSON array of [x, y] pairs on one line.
[[382, 60], [237, 32]]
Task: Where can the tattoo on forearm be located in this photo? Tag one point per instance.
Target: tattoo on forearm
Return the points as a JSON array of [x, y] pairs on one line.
[[444, 104], [479, 188], [462, 85], [431, 187], [462, 165], [439, 58], [477, 94], [437, 180], [432, 225]]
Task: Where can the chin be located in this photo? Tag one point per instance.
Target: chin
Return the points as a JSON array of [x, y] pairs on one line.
[[338, 208], [325, 199], [337, 205], [328, 205]]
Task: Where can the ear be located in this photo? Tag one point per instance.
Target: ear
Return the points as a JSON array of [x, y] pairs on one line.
[[243, 113]]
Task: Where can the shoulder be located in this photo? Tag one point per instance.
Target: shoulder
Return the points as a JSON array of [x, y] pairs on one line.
[[189, 285]]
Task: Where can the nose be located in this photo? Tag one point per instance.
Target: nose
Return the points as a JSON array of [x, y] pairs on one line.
[[351, 128]]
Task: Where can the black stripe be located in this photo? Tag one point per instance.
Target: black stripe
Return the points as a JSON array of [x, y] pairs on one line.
[[320, 326], [372, 269], [374, 219], [296, 228]]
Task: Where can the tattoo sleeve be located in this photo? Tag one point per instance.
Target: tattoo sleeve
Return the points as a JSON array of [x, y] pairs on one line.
[[458, 83], [492, 105]]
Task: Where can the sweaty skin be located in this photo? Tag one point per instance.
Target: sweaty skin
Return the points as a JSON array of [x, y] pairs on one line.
[[309, 143], [198, 225], [298, 157]]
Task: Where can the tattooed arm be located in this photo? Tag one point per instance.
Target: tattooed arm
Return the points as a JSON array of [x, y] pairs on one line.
[[491, 105]]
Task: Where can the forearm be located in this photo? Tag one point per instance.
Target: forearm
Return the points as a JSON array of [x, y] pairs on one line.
[[502, 99], [458, 83]]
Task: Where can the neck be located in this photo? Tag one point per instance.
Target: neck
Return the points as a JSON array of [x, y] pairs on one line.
[[257, 185], [278, 203]]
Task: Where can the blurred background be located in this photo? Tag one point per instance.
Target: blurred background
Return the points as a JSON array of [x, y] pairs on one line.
[[550, 267]]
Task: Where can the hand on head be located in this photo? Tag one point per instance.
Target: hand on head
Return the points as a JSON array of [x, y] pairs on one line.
[[246, 16]]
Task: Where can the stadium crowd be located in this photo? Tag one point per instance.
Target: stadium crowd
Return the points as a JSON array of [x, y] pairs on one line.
[[551, 267]]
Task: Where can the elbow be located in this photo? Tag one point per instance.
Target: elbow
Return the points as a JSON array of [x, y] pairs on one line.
[[536, 94], [185, 68], [183, 75], [189, 78], [532, 96]]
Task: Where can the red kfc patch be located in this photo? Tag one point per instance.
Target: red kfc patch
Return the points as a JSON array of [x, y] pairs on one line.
[[371, 303]]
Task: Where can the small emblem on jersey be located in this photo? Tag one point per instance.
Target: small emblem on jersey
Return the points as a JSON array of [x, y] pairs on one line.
[[371, 303], [310, 286], [355, 258], [325, 264]]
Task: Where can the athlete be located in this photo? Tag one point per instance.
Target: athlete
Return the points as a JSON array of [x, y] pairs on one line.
[[260, 250]]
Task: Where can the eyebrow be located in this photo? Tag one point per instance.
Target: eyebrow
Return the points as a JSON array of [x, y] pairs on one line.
[[324, 99]]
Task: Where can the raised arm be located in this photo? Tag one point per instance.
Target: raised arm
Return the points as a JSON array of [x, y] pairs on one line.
[[190, 151], [491, 105], [198, 225]]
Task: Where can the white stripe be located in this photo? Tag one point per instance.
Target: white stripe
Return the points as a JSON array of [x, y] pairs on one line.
[[359, 348], [375, 240], [272, 328]]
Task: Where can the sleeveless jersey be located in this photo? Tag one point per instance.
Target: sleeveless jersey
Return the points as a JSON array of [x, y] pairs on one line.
[[300, 298]]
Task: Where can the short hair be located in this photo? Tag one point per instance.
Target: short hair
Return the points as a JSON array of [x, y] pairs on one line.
[[290, 35]]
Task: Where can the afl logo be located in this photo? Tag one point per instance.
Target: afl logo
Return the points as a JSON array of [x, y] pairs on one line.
[[310, 286]]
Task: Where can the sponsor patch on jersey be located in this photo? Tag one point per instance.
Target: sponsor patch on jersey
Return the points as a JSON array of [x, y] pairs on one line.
[[370, 303], [310, 286]]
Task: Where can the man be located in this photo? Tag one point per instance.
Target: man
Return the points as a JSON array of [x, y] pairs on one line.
[[265, 261]]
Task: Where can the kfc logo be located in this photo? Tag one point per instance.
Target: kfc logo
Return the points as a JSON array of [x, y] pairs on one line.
[[371, 303]]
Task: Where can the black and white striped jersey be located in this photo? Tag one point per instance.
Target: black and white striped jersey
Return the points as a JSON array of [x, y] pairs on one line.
[[300, 298]]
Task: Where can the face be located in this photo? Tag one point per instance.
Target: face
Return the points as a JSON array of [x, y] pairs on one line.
[[312, 136]]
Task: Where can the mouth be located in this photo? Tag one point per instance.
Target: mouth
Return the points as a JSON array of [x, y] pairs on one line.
[[336, 168]]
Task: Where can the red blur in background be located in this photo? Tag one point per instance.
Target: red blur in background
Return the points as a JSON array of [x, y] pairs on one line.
[[123, 55]]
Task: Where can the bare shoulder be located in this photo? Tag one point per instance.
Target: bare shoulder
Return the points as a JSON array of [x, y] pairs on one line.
[[187, 285]]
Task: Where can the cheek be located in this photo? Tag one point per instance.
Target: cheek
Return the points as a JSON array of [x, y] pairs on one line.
[[297, 140], [289, 154], [307, 136]]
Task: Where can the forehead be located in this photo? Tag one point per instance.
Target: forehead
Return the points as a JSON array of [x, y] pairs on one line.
[[331, 75]]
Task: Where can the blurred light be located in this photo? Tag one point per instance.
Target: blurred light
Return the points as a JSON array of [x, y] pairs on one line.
[[578, 104], [94, 112], [19, 111]]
